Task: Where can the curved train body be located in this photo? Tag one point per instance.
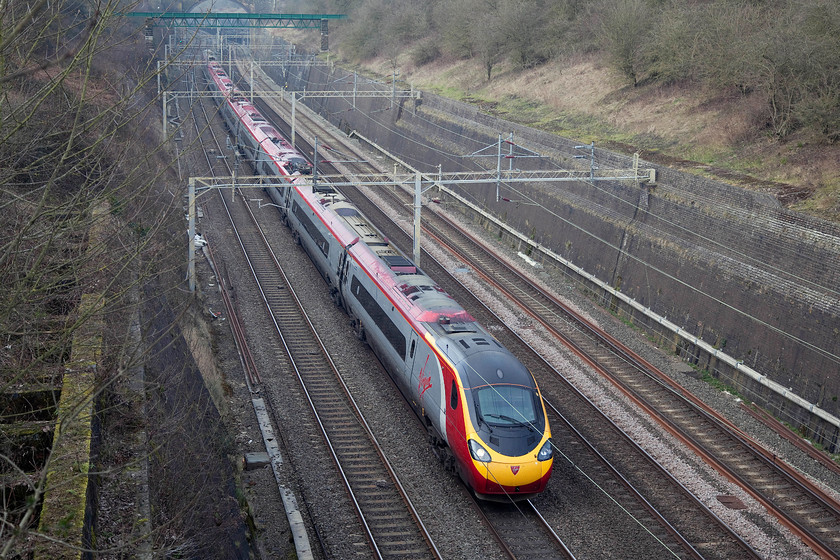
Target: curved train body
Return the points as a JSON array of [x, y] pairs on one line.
[[482, 407]]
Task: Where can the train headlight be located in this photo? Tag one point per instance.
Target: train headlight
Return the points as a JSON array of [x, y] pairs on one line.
[[478, 453], [547, 452]]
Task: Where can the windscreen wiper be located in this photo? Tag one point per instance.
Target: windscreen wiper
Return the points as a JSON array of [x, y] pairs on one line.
[[512, 420]]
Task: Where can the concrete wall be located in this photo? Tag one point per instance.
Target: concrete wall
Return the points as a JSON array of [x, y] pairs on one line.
[[730, 265]]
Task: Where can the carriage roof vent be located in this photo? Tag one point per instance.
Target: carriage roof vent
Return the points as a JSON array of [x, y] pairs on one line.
[[400, 264], [456, 328]]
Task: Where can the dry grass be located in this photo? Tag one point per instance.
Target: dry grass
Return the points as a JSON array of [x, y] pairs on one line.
[[676, 125]]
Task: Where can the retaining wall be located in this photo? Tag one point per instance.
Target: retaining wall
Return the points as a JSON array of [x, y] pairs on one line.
[[731, 266], [69, 503]]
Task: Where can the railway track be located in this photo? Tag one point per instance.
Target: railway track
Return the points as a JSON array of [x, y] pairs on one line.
[[524, 533], [217, 166], [689, 418], [392, 527], [524, 539], [803, 507], [809, 512], [520, 530], [799, 504], [668, 513]]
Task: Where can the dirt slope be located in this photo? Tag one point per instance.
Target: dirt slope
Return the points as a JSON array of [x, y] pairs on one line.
[[711, 133]]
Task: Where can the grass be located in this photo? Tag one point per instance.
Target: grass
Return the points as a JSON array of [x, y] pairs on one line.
[[581, 99], [706, 376], [825, 203]]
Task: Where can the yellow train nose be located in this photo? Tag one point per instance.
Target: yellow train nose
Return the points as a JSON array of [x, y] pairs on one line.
[[513, 480], [516, 472]]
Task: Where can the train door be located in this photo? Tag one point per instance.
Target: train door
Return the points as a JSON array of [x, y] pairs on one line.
[[412, 355], [285, 192], [341, 275], [263, 161], [424, 379]]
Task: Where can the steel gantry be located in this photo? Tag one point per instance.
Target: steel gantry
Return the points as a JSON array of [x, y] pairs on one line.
[[237, 20], [418, 180], [234, 20], [294, 96]]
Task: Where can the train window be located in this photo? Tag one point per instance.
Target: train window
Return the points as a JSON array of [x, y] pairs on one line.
[[380, 319], [411, 352], [313, 231], [506, 405], [453, 399]]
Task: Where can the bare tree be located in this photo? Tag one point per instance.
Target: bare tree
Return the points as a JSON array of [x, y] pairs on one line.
[[523, 25], [362, 36], [625, 25], [82, 226], [799, 71], [452, 40], [488, 38]]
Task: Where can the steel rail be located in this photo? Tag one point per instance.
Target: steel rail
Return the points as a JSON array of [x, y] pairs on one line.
[[516, 534], [636, 495], [374, 533], [678, 538], [771, 422], [815, 530], [566, 550], [380, 529], [675, 534], [261, 404], [246, 358]]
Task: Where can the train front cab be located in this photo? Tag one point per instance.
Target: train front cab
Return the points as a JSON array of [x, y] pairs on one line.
[[504, 446], [506, 479]]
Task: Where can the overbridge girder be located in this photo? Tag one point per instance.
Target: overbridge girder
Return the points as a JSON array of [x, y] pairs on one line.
[[237, 20]]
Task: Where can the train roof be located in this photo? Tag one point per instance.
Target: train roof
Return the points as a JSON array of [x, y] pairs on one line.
[[421, 296], [407, 285], [496, 367]]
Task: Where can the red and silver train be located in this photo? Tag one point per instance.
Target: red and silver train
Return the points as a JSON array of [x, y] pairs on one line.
[[482, 407]]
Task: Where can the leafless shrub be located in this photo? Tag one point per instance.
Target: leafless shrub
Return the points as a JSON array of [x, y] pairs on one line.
[[71, 123]]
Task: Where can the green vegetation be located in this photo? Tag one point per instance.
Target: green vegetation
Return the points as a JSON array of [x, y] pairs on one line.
[[706, 376], [741, 91]]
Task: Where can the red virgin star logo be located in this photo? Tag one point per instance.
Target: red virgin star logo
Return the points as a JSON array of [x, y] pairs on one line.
[[514, 469], [425, 380]]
